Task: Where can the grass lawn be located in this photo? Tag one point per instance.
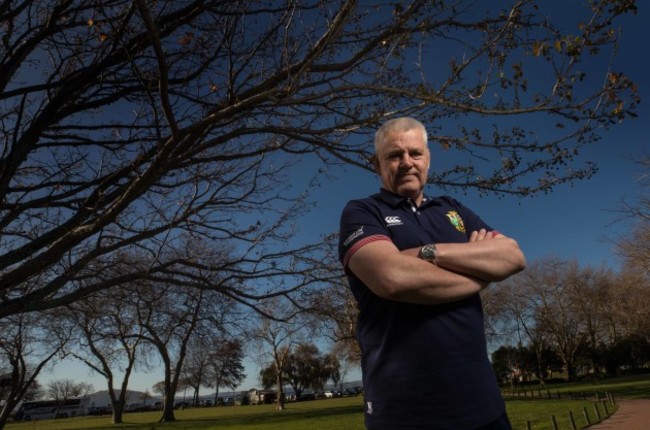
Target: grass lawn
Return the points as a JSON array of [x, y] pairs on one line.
[[347, 413], [328, 414], [629, 387], [540, 413]]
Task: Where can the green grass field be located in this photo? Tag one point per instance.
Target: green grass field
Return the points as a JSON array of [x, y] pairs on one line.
[[347, 413]]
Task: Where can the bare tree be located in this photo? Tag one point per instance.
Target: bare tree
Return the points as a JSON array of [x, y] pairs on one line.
[[557, 316], [171, 318], [335, 308], [554, 303], [589, 288], [634, 247], [63, 390], [169, 321], [109, 340], [196, 366], [276, 339], [512, 310], [27, 345], [127, 122], [628, 306]]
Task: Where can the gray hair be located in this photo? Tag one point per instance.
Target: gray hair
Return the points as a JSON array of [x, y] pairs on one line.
[[401, 124]]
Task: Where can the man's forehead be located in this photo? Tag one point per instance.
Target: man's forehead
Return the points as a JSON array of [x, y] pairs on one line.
[[400, 140]]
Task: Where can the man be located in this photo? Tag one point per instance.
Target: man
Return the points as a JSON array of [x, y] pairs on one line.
[[416, 265]]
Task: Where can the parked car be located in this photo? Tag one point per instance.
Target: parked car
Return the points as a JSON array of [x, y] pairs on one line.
[[307, 396], [205, 402], [354, 391], [100, 410], [182, 405]]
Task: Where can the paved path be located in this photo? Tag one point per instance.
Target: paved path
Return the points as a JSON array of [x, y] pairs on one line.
[[631, 415]]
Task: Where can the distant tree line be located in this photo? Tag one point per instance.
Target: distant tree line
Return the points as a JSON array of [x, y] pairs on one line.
[[557, 316], [304, 368], [124, 328]]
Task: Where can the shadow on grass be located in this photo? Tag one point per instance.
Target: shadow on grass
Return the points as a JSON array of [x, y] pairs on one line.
[[294, 417], [286, 416]]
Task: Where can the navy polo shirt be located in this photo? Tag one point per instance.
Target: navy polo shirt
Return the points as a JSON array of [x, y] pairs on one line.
[[424, 366]]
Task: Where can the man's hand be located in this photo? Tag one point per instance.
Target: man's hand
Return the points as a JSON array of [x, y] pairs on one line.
[[483, 234], [488, 255]]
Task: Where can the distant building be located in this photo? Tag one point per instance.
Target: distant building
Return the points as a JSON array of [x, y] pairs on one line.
[[135, 401]]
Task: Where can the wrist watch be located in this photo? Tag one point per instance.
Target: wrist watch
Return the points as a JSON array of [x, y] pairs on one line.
[[428, 253]]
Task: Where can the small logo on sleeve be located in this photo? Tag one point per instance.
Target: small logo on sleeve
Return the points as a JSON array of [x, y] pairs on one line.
[[456, 221], [393, 220], [358, 232]]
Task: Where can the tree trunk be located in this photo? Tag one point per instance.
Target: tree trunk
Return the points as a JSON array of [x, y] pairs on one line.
[[168, 409], [216, 395], [6, 412], [118, 413], [280, 392]]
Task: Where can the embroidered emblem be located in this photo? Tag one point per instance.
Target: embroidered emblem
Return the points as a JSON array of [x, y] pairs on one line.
[[456, 221], [393, 220]]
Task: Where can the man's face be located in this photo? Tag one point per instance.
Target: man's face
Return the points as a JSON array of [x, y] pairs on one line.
[[403, 163]]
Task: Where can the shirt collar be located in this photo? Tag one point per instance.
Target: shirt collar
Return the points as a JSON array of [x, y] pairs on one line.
[[395, 200]]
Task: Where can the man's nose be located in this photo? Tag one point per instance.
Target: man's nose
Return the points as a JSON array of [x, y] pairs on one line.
[[406, 162]]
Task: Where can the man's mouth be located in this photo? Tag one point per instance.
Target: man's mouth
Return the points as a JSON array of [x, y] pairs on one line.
[[407, 177]]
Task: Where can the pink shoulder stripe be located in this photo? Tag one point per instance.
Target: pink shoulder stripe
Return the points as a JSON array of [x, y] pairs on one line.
[[360, 244]]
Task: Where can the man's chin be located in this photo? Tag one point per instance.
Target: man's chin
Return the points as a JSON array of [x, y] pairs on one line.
[[409, 191]]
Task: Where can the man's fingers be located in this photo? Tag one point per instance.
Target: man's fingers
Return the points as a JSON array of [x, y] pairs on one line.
[[480, 235]]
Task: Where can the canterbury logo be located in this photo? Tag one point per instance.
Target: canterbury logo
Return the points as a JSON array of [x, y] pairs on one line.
[[393, 220]]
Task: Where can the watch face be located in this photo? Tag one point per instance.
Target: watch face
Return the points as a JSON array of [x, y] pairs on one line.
[[428, 252]]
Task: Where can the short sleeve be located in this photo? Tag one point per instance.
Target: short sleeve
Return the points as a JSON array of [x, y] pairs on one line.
[[360, 225]]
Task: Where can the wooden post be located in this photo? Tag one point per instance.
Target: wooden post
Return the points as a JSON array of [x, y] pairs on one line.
[[528, 426], [558, 394], [597, 396], [554, 422], [605, 407], [539, 393], [572, 421], [586, 414], [597, 411], [548, 393]]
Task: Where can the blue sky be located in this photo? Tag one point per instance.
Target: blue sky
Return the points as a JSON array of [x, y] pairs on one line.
[[574, 221]]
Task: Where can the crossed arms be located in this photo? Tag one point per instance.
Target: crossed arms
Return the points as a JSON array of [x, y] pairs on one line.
[[461, 269]]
